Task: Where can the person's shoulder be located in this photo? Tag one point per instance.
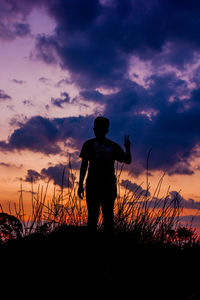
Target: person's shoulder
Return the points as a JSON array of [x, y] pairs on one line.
[[86, 149], [112, 143], [88, 142]]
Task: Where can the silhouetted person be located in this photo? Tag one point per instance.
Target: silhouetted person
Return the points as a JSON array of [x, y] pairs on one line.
[[101, 189]]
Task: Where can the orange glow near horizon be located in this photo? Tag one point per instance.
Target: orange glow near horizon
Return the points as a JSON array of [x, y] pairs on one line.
[[8, 204]]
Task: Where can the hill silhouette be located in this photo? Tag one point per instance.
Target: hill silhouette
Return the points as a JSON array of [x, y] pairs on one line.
[[66, 263], [51, 255]]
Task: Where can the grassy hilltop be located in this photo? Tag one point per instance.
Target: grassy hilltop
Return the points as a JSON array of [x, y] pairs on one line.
[[66, 263], [151, 256]]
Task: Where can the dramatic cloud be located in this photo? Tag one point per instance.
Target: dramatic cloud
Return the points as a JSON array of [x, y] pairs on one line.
[[43, 135], [37, 134], [170, 128], [135, 188], [32, 176], [60, 101], [4, 96], [188, 204], [58, 174], [102, 45], [95, 40], [13, 17], [63, 82], [174, 199], [10, 32]]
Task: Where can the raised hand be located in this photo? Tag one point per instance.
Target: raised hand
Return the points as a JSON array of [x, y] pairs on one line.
[[127, 142]]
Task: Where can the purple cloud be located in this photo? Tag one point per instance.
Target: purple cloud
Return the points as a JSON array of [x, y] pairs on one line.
[[4, 96], [27, 102], [57, 173], [60, 101], [37, 134], [21, 29], [32, 176], [95, 42], [134, 188], [43, 135], [45, 80], [172, 132], [18, 81]]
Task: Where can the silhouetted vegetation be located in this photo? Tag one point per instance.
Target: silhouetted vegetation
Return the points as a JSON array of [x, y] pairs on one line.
[[152, 255]]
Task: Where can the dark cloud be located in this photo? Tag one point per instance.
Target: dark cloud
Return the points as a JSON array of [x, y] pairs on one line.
[[47, 107], [46, 50], [174, 199], [21, 29], [135, 188], [27, 102], [18, 81], [185, 203], [60, 101], [171, 129], [92, 95], [63, 82], [95, 41], [57, 173], [32, 176], [4, 96], [13, 17], [45, 80], [37, 134], [11, 31], [40, 134]]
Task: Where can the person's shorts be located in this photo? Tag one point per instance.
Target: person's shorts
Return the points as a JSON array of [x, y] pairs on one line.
[[103, 188]]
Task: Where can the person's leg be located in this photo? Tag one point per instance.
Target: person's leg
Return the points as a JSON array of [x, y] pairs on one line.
[[107, 204], [93, 215], [93, 207]]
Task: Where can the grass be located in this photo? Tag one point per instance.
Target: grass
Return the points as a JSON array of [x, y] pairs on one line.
[[49, 253], [147, 216]]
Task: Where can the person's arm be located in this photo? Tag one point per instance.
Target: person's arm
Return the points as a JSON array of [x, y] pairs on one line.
[[127, 145], [83, 169]]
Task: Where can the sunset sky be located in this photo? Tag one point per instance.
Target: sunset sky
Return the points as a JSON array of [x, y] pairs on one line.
[[64, 62]]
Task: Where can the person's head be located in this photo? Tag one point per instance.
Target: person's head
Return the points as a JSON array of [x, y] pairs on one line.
[[101, 127]]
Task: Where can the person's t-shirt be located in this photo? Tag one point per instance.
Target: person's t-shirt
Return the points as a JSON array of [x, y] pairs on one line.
[[101, 156]]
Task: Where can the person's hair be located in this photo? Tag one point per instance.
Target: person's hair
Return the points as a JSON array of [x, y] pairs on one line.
[[101, 122]]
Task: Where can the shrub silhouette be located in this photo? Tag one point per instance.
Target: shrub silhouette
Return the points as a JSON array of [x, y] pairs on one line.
[[10, 227]]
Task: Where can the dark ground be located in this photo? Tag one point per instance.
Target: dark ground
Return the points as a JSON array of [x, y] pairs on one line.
[[65, 265]]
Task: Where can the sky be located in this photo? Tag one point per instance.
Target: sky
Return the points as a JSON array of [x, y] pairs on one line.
[[64, 62]]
